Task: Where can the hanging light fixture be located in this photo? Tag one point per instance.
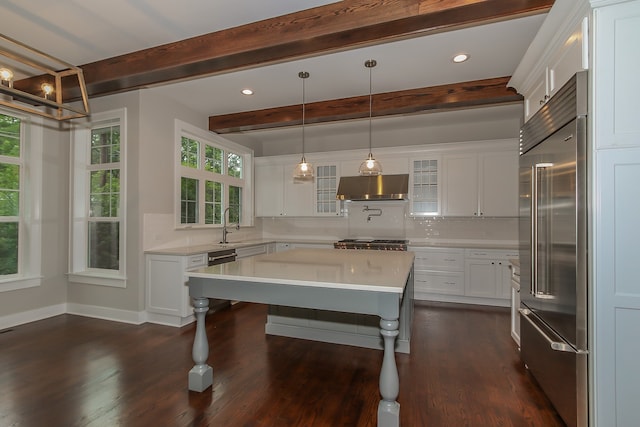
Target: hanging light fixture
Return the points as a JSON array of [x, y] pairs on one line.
[[32, 81], [370, 166], [304, 170]]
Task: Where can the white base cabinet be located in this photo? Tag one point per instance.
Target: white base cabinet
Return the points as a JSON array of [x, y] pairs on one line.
[[488, 273], [438, 271], [168, 301], [468, 276]]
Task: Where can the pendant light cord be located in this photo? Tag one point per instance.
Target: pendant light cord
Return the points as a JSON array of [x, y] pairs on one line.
[[303, 75], [372, 64]]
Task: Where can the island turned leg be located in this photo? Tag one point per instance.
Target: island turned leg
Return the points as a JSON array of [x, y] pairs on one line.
[[201, 375], [389, 408]]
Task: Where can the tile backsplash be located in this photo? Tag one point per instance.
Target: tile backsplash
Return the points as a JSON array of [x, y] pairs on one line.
[[392, 224]]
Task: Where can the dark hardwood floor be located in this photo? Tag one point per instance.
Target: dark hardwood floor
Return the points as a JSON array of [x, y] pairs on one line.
[[463, 370]]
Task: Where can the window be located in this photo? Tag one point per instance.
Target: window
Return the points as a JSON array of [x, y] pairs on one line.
[[98, 181], [20, 192], [104, 198], [213, 174], [10, 180]]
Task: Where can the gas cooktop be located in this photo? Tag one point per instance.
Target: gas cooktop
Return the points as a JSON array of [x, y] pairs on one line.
[[376, 244]]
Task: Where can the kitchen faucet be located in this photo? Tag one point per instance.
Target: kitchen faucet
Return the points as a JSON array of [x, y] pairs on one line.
[[378, 212], [225, 232]]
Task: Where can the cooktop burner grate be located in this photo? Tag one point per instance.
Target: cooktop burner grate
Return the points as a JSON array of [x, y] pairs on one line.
[[372, 244]]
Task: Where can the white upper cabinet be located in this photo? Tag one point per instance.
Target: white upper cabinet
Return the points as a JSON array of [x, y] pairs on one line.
[[325, 189], [480, 185], [277, 194], [562, 66], [424, 186], [554, 56], [499, 189], [457, 179], [460, 185], [269, 190]]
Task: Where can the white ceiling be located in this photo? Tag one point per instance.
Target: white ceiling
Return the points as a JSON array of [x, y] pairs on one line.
[[83, 31]]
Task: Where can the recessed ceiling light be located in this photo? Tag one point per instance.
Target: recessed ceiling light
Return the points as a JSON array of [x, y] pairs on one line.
[[461, 57], [247, 92]]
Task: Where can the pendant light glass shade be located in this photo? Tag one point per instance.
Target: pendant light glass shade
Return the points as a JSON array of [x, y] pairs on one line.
[[303, 170], [370, 166]]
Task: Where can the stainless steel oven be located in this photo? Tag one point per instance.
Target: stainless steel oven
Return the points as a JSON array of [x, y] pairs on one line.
[[215, 258]]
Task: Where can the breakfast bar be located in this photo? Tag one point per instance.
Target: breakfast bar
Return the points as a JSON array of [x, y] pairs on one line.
[[364, 282]]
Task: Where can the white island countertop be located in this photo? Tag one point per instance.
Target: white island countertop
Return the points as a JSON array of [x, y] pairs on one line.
[[381, 271]]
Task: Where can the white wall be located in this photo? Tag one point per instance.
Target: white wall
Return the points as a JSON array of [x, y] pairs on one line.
[[49, 298], [87, 298], [476, 124], [156, 177]]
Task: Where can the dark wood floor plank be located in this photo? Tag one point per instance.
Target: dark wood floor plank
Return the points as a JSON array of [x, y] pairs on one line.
[[463, 370]]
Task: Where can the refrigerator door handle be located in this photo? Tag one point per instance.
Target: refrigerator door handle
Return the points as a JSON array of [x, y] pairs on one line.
[[534, 231], [555, 345]]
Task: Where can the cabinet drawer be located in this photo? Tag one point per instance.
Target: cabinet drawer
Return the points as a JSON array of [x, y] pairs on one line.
[[196, 261], [491, 254], [440, 282], [436, 260]]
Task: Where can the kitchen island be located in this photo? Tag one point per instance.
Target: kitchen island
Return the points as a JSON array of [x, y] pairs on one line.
[[365, 282]]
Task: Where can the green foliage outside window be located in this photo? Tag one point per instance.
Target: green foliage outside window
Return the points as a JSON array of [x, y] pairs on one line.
[[215, 168], [213, 202], [8, 248], [213, 159], [234, 165], [9, 194], [235, 203], [189, 150], [105, 145], [9, 189], [188, 200], [104, 245], [104, 199]]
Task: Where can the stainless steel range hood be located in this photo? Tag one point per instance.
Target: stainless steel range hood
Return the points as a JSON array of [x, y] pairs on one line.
[[381, 187]]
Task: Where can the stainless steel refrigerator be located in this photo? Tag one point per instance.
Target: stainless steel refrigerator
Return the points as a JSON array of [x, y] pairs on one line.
[[553, 249]]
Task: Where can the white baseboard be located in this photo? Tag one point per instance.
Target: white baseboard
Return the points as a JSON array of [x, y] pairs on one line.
[[168, 320], [107, 313], [32, 315]]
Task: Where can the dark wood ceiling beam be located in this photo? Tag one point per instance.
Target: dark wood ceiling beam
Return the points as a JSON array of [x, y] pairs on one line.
[[445, 97], [338, 26]]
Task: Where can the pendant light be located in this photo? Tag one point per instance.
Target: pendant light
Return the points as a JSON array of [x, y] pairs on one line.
[[370, 166], [304, 170]]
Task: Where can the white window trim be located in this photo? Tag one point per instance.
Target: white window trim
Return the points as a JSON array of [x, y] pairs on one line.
[[78, 271], [188, 130], [30, 246]]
